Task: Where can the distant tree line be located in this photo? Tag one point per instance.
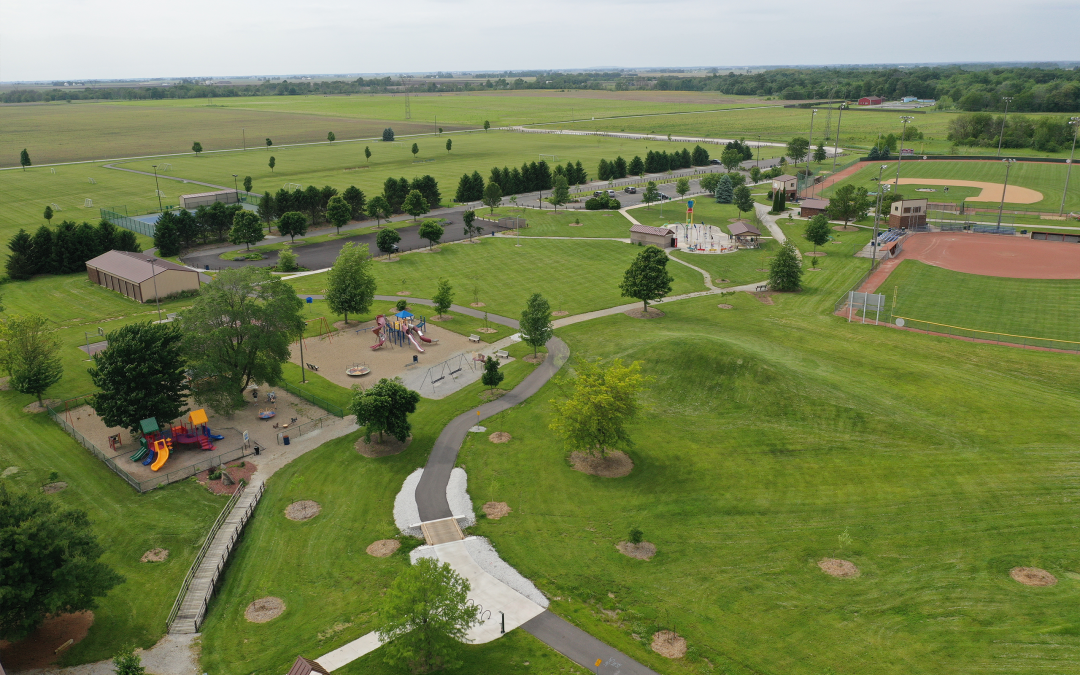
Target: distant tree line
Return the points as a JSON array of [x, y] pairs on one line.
[[65, 248], [1045, 134]]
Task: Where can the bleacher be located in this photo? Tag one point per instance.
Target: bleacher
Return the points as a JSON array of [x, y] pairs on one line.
[[993, 229], [888, 235]]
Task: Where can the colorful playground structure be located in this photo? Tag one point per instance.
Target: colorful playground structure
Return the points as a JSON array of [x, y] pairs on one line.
[[155, 444], [399, 329], [701, 238]]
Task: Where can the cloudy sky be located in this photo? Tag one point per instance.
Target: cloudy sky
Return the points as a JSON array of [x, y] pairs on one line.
[[98, 39]]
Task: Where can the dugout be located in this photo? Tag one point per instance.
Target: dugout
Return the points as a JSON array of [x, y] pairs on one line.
[[138, 276], [1056, 236], [647, 235], [194, 201], [909, 213]]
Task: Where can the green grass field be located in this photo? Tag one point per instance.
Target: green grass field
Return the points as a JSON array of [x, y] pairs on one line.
[[1042, 308], [548, 223]]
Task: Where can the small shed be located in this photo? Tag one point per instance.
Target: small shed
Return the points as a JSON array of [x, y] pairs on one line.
[[908, 213], [647, 235], [786, 183], [812, 207], [304, 666], [140, 277], [194, 201], [870, 100], [745, 234]]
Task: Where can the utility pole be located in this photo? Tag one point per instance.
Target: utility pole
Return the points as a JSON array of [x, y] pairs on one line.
[[1008, 165], [836, 146], [905, 119], [157, 189], [809, 146], [236, 188], [1001, 134], [1075, 122]]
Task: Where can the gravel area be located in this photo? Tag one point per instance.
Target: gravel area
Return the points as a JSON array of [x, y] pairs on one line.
[[406, 512], [422, 552], [457, 495], [485, 556]]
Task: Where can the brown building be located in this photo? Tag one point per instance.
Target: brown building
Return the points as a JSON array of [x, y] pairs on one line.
[[656, 236], [811, 207], [745, 234], [137, 276], [198, 199], [785, 183], [908, 213]]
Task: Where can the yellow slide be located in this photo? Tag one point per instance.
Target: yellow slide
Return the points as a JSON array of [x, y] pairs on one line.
[[162, 450]]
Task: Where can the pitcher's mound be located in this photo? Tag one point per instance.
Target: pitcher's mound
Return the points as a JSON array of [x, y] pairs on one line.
[[496, 510], [1032, 576], [499, 437], [389, 446], [834, 567], [384, 548], [302, 510], [653, 313], [155, 555], [264, 609], [615, 464], [667, 643], [643, 551], [53, 488]]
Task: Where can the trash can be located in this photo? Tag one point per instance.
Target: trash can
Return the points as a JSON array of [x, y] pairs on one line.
[[285, 440], [207, 268], [257, 450]]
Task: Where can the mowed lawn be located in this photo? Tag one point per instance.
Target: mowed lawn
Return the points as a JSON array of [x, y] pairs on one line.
[[574, 276], [1042, 308], [775, 436], [564, 223]]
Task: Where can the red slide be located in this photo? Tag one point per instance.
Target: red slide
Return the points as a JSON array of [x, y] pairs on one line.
[[378, 330]]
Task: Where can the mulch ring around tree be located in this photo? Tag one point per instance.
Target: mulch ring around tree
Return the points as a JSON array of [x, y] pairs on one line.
[[535, 358], [496, 510], [764, 297], [477, 304], [223, 485], [155, 555], [264, 609], [389, 446], [302, 510], [724, 305], [667, 643], [404, 293], [499, 437], [492, 394], [577, 224], [384, 548], [487, 330], [53, 488], [653, 313], [641, 551], [560, 312], [615, 464], [816, 254], [1032, 576], [845, 228], [35, 408], [39, 649], [841, 569]]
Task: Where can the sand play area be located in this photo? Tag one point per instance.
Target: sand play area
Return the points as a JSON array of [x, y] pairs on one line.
[[991, 192]]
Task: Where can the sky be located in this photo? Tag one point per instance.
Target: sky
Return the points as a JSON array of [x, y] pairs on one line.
[[107, 39]]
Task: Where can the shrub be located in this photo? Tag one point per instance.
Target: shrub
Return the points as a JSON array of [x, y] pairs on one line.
[[636, 535], [401, 305], [602, 203], [286, 261], [215, 475]]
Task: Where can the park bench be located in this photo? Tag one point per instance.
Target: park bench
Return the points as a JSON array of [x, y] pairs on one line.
[[502, 354], [474, 338], [312, 366]]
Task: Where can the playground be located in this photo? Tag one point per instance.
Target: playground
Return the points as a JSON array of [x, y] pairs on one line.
[[702, 239]]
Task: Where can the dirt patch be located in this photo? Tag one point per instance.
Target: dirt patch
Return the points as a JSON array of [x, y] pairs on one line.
[[341, 325], [991, 192], [38, 650], [384, 548], [5, 385], [53, 488], [815, 254], [236, 474], [764, 297], [668, 644], [842, 569], [404, 293], [845, 228], [305, 509], [492, 394], [155, 555], [487, 330], [496, 510], [560, 312], [1032, 576], [10, 471], [477, 304], [35, 408], [535, 358], [724, 305], [653, 313], [389, 446], [643, 551], [577, 224], [499, 437], [264, 609], [615, 464]]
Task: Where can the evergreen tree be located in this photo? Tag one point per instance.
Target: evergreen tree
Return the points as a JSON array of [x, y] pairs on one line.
[[492, 376], [356, 200], [24, 159], [785, 272], [819, 154], [388, 135], [700, 156], [636, 167], [543, 176], [20, 263], [476, 189], [581, 176], [41, 250], [186, 226], [724, 191], [196, 147], [464, 189], [266, 208], [167, 236], [619, 168], [603, 171], [874, 154]]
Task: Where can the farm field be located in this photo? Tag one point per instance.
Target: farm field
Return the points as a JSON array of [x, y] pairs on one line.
[[1044, 308]]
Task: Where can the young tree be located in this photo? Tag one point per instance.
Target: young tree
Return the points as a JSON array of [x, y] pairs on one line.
[[432, 231], [338, 212], [725, 193], [849, 202], [292, 223], [247, 183], [266, 209], [167, 235], [286, 261], [650, 195], [604, 400], [785, 272], [415, 149], [48, 214], [449, 144], [127, 662], [415, 204], [743, 201], [22, 263], [31, 355], [426, 616], [134, 387], [682, 186], [487, 125], [388, 135], [731, 158], [268, 144], [387, 240], [378, 208], [819, 154], [272, 163], [50, 562], [471, 230], [351, 282], [330, 137], [560, 192], [817, 231], [535, 323], [246, 229], [384, 408], [24, 159], [647, 277], [238, 331], [797, 148], [444, 297], [492, 376], [367, 153], [492, 196], [196, 147], [755, 174]]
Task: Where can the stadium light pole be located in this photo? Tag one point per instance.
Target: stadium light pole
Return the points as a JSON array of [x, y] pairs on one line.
[[1001, 134], [1075, 122], [877, 215], [836, 145], [236, 188], [905, 119], [810, 144], [1008, 165], [157, 298], [157, 188]]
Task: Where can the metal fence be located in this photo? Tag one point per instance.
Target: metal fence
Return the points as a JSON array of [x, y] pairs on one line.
[[128, 223], [842, 303], [986, 337], [312, 398], [301, 430]]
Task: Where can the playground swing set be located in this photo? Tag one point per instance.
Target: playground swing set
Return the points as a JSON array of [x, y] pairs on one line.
[[449, 368], [156, 443]]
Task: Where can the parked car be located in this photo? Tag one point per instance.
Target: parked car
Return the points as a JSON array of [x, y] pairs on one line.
[[663, 197], [610, 193], [714, 161], [631, 190], [598, 193]]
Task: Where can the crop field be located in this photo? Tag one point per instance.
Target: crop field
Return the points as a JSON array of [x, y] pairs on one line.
[[1049, 179]]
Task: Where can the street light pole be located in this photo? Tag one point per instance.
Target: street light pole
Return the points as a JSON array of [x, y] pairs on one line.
[[759, 151], [1008, 165], [157, 188], [905, 119], [1001, 134], [236, 189], [157, 299], [1075, 121], [836, 145]]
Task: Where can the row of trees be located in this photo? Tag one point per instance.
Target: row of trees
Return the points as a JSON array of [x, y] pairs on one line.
[[531, 177], [65, 248], [1045, 134]]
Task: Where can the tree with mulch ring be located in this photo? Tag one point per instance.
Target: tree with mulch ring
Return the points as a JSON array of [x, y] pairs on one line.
[[845, 228], [264, 609], [155, 555], [489, 395], [496, 510], [387, 447], [724, 305], [305, 509], [53, 488], [1032, 576], [668, 644], [560, 312], [383, 548], [650, 313], [841, 569], [499, 437], [610, 464], [535, 359]]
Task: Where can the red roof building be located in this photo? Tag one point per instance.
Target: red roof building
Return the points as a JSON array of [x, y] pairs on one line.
[[870, 100]]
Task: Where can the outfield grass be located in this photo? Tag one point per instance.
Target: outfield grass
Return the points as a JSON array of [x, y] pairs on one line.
[[574, 276], [1044, 308]]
